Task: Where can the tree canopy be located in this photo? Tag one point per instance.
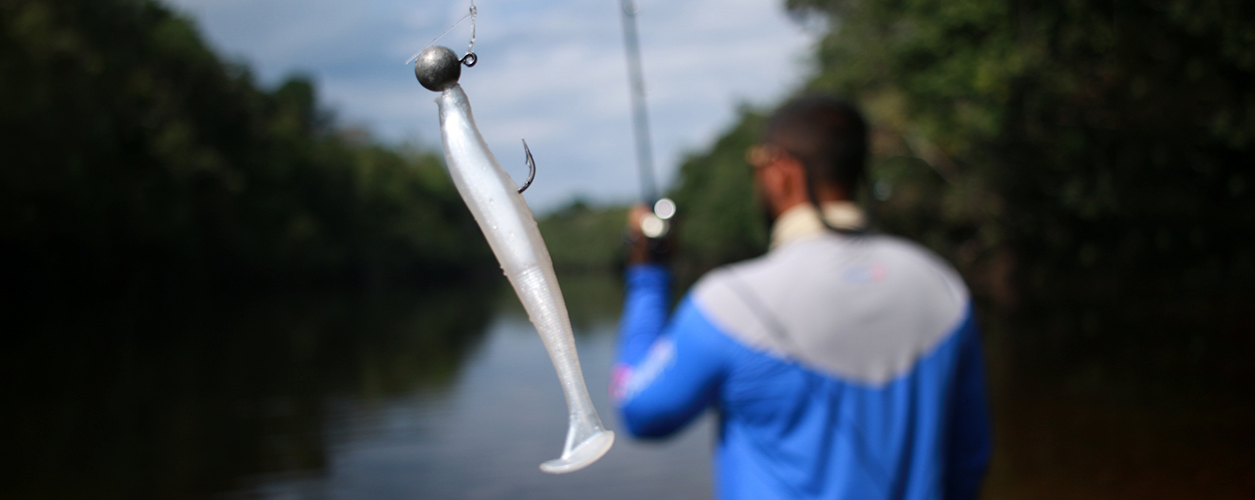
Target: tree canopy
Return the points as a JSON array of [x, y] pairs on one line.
[[1105, 143], [134, 154]]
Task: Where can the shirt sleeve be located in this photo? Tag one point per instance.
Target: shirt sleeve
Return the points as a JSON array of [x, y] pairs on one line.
[[970, 439], [648, 295], [666, 373]]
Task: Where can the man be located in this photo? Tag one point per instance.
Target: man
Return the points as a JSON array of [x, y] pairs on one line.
[[843, 364]]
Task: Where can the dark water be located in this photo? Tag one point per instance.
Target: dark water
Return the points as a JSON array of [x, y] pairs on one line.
[[440, 394], [449, 394], [1134, 398]]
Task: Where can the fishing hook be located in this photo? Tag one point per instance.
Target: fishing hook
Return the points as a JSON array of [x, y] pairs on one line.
[[531, 167], [469, 59]]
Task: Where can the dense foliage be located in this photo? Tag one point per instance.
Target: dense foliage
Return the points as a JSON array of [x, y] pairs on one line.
[[719, 221], [134, 155], [1102, 145], [582, 238]]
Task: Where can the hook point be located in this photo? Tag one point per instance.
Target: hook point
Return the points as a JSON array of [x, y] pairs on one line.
[[531, 167]]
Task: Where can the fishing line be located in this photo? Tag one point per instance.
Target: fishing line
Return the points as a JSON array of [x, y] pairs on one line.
[[470, 50]]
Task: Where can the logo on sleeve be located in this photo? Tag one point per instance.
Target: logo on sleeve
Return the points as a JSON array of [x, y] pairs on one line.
[[627, 381]]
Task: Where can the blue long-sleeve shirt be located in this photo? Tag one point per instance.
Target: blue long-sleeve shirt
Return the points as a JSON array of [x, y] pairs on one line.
[[842, 368]]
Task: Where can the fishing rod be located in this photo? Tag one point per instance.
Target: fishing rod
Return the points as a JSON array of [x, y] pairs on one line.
[[657, 224]]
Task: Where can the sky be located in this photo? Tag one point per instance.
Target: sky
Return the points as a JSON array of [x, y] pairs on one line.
[[551, 72]]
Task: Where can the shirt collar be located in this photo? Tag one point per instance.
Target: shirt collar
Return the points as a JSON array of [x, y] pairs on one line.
[[802, 221]]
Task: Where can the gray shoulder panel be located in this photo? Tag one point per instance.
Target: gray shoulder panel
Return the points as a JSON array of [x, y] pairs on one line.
[[860, 308]]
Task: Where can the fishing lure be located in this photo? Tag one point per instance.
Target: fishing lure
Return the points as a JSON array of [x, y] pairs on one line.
[[511, 230]]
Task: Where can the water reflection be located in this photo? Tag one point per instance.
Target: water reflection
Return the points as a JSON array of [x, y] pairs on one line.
[[178, 397], [1130, 399], [503, 414], [445, 394], [450, 395]]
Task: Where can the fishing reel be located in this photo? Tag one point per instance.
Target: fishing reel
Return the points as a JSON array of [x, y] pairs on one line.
[[657, 224], [650, 242]]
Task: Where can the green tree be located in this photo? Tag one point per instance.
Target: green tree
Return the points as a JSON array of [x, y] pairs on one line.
[[719, 220], [135, 155], [1109, 141], [583, 238], [1095, 146]]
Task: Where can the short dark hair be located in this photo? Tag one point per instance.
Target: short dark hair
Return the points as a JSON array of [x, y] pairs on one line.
[[826, 134]]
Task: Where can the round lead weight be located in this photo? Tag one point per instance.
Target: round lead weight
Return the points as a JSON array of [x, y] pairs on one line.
[[437, 68]]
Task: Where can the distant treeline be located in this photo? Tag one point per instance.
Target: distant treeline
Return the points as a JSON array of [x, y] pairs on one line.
[[133, 155], [1056, 149]]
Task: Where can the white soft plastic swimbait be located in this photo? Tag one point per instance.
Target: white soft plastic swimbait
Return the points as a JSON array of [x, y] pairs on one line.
[[511, 230]]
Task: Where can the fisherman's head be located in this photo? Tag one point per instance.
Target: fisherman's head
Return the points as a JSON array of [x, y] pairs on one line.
[[813, 149]]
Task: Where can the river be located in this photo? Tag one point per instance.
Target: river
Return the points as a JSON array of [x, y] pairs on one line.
[[448, 394]]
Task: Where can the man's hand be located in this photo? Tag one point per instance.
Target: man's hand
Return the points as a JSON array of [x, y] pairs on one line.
[[643, 249]]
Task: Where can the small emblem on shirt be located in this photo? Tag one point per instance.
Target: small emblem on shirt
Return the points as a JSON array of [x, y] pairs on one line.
[[864, 273]]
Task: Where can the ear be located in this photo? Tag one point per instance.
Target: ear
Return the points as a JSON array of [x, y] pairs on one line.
[[773, 183], [792, 179], [783, 184], [767, 179]]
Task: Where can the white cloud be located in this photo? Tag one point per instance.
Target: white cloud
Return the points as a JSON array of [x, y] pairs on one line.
[[551, 72]]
